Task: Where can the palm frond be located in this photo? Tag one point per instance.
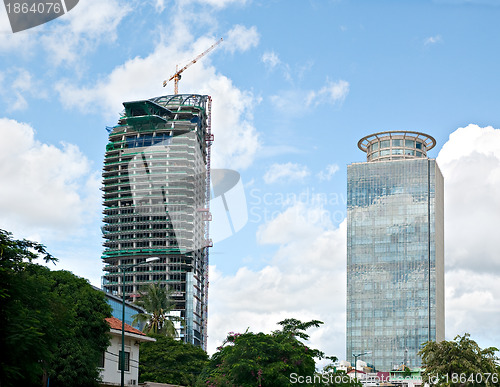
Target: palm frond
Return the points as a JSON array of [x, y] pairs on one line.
[[157, 301]]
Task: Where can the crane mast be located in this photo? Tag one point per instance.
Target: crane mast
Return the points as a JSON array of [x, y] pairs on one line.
[[177, 75]]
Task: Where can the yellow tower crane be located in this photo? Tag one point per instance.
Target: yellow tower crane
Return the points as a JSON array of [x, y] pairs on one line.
[[177, 74]]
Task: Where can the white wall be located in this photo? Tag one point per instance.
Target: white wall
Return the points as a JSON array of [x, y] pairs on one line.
[[111, 374]]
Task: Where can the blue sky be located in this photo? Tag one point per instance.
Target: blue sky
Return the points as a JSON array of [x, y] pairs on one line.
[[295, 85]]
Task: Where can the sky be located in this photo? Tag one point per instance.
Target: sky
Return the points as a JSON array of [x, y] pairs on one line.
[[295, 85]]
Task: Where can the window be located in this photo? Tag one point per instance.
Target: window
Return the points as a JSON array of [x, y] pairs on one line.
[[127, 361], [397, 142], [409, 144], [101, 360], [385, 144], [375, 146]]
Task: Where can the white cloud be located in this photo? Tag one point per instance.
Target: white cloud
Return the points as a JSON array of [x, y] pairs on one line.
[[21, 42], [304, 280], [433, 40], [306, 277], [293, 219], [331, 93], [219, 4], [472, 305], [236, 139], [271, 59], [23, 81], [18, 102], [241, 38], [289, 102], [16, 84], [159, 5], [292, 101], [46, 190], [470, 163], [74, 34], [286, 172], [328, 172], [90, 23]]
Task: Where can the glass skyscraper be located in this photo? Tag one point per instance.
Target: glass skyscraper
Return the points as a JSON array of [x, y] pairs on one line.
[[395, 250]]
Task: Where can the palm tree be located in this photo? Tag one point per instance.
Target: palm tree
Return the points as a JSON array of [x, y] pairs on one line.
[[157, 301]]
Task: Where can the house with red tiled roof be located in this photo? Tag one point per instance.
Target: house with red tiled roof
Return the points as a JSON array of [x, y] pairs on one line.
[[110, 362]]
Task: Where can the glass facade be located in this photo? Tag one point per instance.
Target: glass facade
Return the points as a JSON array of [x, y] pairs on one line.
[[385, 146], [395, 259], [129, 312]]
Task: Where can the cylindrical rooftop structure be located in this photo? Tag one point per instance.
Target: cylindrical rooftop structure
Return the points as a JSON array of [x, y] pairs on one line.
[[396, 145]]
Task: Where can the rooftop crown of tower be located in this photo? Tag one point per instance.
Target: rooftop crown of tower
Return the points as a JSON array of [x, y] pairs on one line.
[[396, 145]]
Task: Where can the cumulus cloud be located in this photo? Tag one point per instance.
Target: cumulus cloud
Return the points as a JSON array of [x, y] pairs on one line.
[[241, 38], [73, 35], [472, 305], [286, 172], [297, 213], [470, 163], [90, 23], [331, 93], [236, 139], [328, 172], [46, 190], [311, 254]]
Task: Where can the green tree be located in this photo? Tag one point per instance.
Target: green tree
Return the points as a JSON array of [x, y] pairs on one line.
[[158, 303], [258, 359], [84, 334], [24, 317], [460, 362], [297, 328], [52, 321], [171, 361]]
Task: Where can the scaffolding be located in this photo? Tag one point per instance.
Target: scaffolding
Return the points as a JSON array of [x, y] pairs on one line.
[[209, 138], [156, 192]]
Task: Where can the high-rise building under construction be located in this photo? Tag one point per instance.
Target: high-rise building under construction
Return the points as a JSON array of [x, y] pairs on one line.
[[156, 204]]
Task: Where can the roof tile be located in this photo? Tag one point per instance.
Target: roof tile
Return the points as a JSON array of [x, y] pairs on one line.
[[115, 323]]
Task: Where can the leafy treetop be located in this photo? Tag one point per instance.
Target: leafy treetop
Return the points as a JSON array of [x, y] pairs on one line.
[[462, 357], [52, 322], [171, 361], [258, 359]]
